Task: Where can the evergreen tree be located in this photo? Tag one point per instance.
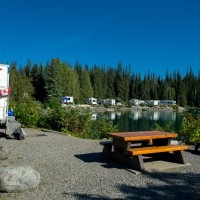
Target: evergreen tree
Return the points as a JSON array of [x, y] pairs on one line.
[[86, 90], [146, 88], [153, 87], [126, 80], [110, 83], [180, 91], [98, 82], [71, 85], [197, 103], [119, 82], [191, 91], [132, 87], [27, 68], [38, 82], [21, 86], [54, 79]]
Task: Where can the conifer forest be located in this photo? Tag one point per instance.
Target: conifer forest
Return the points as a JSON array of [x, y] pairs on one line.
[[57, 79]]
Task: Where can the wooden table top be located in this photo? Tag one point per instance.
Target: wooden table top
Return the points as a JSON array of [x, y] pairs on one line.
[[142, 135]]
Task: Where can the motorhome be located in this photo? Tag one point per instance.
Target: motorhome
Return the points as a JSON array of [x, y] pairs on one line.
[[92, 101], [4, 92], [12, 127], [67, 100]]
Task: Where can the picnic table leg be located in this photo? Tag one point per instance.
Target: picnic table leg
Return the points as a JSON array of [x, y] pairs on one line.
[[197, 146], [178, 157], [107, 151], [120, 146], [137, 163], [134, 162]]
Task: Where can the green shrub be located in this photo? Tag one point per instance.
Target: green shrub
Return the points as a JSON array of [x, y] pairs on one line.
[[190, 129], [101, 128], [106, 105], [168, 127], [52, 119], [52, 116], [53, 103], [175, 107], [28, 112], [77, 121]]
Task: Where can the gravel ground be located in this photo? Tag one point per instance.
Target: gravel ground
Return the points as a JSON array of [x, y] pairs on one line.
[[71, 168]]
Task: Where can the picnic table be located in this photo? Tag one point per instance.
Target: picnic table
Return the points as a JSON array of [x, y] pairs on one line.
[[131, 147]]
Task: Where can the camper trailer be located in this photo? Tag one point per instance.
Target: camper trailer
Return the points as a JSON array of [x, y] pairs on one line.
[[12, 127], [4, 92], [67, 100], [92, 101]]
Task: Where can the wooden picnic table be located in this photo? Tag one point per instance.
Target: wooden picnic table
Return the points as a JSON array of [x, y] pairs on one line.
[[131, 147], [143, 135], [124, 140]]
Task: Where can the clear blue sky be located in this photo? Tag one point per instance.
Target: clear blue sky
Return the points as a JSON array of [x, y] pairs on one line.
[[153, 35]]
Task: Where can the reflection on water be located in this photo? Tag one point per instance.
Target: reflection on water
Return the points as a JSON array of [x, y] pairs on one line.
[[138, 120]]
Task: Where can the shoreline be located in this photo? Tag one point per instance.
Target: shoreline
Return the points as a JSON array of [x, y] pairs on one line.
[[135, 108]]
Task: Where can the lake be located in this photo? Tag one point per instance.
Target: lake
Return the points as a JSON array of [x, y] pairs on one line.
[[138, 120]]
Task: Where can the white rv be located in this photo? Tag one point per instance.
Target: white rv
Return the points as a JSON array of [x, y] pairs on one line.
[[111, 102], [152, 102], [92, 101], [12, 127], [4, 93], [67, 100]]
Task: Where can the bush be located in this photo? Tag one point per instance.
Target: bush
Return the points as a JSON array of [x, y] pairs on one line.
[[28, 112], [175, 107], [168, 127], [190, 129], [101, 128], [77, 121], [52, 118], [53, 103], [106, 105]]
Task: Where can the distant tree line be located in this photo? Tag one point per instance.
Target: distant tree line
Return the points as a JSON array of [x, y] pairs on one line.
[[57, 79]]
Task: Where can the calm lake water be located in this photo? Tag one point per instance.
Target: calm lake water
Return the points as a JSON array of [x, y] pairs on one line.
[[138, 120]]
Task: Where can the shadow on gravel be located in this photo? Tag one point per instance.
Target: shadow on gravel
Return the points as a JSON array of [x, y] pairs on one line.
[[159, 186], [174, 186], [89, 157], [97, 157], [193, 152], [87, 196], [4, 135]]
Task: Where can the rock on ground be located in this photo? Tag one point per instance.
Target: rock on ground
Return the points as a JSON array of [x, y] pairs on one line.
[[3, 153], [18, 178]]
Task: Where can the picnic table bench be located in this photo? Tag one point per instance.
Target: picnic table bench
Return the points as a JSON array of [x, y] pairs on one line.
[[130, 147], [197, 146]]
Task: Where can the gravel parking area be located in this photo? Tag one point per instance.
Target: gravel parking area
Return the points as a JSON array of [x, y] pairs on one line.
[[71, 168]]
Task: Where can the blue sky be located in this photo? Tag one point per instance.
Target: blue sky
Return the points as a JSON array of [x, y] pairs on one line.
[[148, 35]]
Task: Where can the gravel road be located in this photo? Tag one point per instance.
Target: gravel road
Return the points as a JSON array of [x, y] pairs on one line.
[[71, 168]]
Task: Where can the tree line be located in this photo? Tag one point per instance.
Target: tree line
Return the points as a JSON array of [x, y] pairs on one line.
[[57, 79]]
